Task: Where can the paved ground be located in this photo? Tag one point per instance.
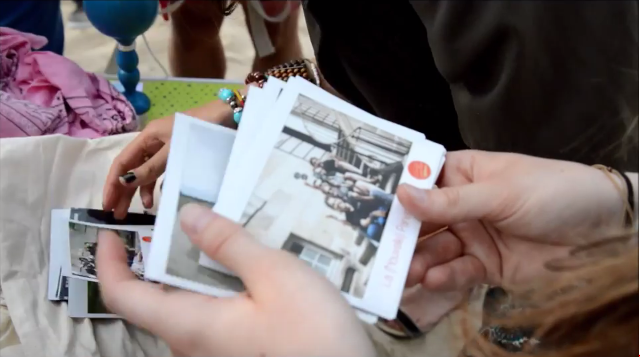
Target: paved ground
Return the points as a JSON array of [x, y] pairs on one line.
[[92, 50]]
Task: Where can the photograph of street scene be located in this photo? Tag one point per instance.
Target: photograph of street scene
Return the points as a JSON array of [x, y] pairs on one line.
[[326, 190]]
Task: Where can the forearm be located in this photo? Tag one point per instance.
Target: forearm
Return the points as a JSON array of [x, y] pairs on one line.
[[378, 214], [611, 197], [326, 86], [216, 111]]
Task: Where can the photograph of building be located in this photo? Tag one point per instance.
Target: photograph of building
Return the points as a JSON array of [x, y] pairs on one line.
[[325, 192]]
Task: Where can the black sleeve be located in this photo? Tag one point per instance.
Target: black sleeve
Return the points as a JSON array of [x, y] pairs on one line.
[[555, 79], [329, 165]]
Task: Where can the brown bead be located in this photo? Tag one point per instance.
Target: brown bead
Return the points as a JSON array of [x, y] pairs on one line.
[[297, 70], [254, 77], [305, 75]]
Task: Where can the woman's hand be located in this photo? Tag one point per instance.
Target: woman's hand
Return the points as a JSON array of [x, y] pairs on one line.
[[144, 159], [287, 310], [507, 215]]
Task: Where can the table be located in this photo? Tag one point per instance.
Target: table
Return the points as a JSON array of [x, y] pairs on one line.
[[171, 95]]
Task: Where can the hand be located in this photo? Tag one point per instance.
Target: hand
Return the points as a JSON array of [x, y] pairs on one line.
[[287, 310], [507, 215], [144, 159]]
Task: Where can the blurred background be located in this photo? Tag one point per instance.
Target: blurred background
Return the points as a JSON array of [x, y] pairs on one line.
[[92, 50]]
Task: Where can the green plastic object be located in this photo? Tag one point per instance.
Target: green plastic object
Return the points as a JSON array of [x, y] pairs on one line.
[[168, 97]]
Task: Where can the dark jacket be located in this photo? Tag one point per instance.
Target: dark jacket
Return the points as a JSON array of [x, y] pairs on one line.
[[553, 79]]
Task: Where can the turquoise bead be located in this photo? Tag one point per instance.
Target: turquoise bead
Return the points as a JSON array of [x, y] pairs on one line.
[[225, 94], [237, 116]]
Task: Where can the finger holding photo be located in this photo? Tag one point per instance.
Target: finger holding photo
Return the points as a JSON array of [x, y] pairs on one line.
[[277, 316]]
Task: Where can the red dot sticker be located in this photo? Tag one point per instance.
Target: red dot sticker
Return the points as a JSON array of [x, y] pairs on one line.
[[146, 239], [419, 170]]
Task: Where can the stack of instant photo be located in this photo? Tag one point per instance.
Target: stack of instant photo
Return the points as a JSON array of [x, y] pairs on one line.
[[72, 267], [308, 173]]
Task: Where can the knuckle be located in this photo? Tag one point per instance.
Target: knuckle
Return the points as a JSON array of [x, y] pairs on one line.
[[450, 197], [217, 234], [448, 248]]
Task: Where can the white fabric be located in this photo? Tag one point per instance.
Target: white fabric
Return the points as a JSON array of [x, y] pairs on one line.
[[41, 173], [36, 175]]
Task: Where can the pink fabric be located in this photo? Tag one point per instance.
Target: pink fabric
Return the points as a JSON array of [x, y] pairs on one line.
[[44, 93]]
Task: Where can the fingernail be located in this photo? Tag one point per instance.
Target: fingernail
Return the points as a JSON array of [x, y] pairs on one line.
[[194, 217], [418, 195], [129, 177]]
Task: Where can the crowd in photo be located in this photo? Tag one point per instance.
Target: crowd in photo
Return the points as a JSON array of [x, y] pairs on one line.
[[353, 192], [87, 259]]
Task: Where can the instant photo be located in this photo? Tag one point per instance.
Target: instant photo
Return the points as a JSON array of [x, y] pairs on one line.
[[320, 183], [100, 217], [58, 255], [85, 300], [326, 192], [196, 166], [83, 245]]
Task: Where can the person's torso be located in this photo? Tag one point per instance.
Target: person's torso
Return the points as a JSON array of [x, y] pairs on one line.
[[376, 54], [550, 79], [329, 165]]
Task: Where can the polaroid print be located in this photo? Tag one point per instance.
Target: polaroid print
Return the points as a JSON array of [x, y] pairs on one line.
[[58, 254], [324, 190], [85, 301], [64, 289], [196, 166], [235, 197], [83, 245], [65, 224], [366, 317], [260, 103], [101, 217]]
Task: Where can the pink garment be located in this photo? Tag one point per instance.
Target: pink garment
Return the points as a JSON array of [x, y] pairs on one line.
[[44, 93]]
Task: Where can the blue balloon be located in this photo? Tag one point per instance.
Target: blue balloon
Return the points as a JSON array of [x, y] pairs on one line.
[[123, 20]]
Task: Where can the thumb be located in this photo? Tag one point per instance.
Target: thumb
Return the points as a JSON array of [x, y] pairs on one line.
[[448, 205], [227, 243]]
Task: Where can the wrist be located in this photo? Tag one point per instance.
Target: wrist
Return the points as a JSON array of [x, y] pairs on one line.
[[217, 111], [631, 179], [612, 196]]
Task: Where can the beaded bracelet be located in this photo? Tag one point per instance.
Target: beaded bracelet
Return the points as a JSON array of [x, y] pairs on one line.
[[235, 100], [297, 68]]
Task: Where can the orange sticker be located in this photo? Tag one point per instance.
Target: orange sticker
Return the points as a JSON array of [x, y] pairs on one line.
[[419, 170], [146, 239]]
